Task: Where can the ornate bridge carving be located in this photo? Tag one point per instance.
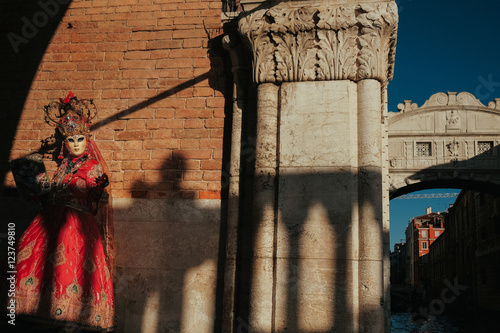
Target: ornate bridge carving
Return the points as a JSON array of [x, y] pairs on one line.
[[451, 140]]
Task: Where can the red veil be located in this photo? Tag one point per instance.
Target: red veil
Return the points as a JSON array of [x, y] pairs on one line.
[[104, 215]]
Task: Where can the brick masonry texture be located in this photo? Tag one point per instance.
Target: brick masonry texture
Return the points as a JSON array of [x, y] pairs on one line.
[[155, 70]]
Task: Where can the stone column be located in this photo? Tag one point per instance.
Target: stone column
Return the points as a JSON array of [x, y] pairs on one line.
[[318, 231], [386, 209], [240, 68], [371, 277], [261, 302]]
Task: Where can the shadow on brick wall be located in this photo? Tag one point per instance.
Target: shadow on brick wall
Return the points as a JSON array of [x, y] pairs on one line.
[[217, 76], [167, 274], [20, 63]]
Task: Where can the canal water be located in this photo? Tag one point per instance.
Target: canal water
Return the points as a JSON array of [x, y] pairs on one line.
[[402, 323]]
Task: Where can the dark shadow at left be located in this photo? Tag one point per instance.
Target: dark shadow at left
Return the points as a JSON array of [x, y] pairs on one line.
[[26, 29]]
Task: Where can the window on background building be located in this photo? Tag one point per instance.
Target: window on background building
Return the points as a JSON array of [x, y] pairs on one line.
[[423, 149], [424, 233], [437, 233], [424, 245], [485, 148]]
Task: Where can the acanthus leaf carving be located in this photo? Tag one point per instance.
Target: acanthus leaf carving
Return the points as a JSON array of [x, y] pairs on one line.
[[347, 53], [254, 28], [308, 43], [337, 54], [377, 40], [326, 54], [306, 54], [265, 71], [336, 18], [285, 66], [368, 57], [293, 20]]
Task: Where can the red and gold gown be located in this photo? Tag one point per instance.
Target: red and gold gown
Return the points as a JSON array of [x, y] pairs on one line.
[[62, 270]]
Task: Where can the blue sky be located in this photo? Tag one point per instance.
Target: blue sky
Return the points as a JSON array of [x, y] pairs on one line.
[[443, 45], [446, 45]]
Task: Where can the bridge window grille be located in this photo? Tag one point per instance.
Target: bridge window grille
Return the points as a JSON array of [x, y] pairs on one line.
[[423, 149], [485, 148]]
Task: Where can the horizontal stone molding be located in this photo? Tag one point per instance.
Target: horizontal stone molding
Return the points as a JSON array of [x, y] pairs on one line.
[[300, 41], [167, 210]]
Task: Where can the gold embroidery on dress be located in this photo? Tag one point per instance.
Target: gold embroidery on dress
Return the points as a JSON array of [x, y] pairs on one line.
[[26, 252], [27, 285], [107, 273], [74, 290]]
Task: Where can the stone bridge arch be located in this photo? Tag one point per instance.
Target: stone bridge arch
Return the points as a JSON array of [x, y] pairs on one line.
[[452, 140]]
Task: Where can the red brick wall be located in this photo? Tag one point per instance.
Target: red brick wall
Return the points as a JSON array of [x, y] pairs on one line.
[[155, 71]]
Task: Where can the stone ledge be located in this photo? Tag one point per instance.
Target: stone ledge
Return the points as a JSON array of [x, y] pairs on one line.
[[167, 211]]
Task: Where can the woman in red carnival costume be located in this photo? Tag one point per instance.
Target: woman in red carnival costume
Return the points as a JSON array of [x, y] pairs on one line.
[[64, 266]]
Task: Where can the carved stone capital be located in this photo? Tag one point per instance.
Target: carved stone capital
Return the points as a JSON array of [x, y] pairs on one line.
[[297, 41]]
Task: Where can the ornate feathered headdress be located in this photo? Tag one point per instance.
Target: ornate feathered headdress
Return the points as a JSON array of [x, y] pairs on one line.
[[71, 115]]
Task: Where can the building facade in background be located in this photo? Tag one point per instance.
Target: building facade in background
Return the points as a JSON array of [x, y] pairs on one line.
[[438, 258], [465, 256], [421, 232], [398, 264], [472, 249]]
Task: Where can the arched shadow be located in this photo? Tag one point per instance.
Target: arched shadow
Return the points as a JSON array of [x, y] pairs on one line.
[[28, 27], [313, 238], [318, 227]]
